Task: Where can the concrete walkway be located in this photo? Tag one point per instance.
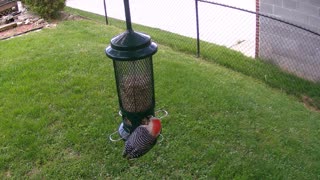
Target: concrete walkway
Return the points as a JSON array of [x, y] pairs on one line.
[[218, 25]]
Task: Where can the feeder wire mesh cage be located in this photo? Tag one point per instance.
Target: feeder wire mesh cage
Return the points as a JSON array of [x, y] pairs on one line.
[[131, 53], [135, 86]]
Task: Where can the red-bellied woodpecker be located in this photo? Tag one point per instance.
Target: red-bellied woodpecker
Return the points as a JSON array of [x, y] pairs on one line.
[[142, 139]]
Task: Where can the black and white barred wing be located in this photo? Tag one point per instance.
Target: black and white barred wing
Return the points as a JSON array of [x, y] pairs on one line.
[[138, 143]]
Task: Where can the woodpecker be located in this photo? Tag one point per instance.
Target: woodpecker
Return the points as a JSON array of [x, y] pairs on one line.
[[142, 139]]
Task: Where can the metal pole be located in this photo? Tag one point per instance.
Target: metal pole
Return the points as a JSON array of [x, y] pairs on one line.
[[257, 28], [198, 31], [128, 16], [105, 11]]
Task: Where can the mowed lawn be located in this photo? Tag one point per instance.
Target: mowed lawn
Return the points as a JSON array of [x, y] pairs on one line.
[[58, 105]]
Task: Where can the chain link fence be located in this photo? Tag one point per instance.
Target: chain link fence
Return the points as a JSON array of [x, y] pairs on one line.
[[282, 53], [241, 36], [293, 48]]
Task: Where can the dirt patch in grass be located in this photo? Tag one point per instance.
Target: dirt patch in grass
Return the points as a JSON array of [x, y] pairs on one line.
[[33, 172], [8, 174], [310, 103]]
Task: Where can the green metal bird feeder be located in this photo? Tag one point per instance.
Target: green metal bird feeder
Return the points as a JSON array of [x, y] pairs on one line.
[[131, 53]]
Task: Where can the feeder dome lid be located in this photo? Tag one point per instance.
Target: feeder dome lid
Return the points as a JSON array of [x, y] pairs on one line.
[[130, 46]]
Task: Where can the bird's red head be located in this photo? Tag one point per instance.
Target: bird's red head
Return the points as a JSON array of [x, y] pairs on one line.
[[155, 125]]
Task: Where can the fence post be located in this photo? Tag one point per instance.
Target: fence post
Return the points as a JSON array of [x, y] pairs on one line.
[[257, 28], [198, 33], [105, 11]]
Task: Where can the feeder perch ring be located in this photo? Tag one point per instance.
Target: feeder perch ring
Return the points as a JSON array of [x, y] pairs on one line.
[[161, 110], [111, 137], [162, 138]]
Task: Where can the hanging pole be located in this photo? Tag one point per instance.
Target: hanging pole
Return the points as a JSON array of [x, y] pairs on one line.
[[198, 31], [105, 11], [128, 16]]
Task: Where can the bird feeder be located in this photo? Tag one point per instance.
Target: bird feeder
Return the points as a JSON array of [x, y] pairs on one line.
[[131, 53]]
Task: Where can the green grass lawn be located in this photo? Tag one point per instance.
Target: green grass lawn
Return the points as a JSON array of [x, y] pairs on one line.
[[58, 104]]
